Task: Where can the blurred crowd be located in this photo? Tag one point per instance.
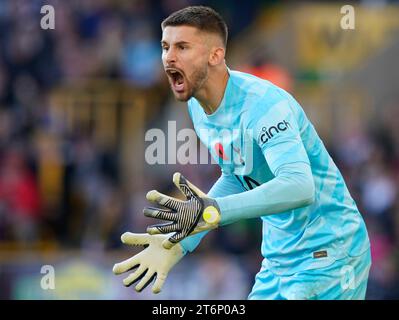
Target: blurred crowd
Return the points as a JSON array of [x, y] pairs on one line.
[[88, 207]]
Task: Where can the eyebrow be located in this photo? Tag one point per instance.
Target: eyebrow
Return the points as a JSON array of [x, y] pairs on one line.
[[176, 44]]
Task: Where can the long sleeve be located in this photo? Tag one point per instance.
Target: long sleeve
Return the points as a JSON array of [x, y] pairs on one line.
[[224, 186], [293, 187]]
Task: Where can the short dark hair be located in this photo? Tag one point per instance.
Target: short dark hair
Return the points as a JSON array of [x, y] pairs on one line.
[[200, 17]]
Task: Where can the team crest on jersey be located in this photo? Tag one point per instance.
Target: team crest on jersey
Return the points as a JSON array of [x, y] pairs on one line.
[[269, 132]]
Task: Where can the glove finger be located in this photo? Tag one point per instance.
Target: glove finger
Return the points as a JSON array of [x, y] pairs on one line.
[[162, 228], [171, 241], [164, 200], [186, 187], [135, 276], [146, 280], [126, 265], [135, 239], [159, 214], [159, 281]]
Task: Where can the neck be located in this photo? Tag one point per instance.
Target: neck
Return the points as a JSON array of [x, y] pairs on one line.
[[211, 94]]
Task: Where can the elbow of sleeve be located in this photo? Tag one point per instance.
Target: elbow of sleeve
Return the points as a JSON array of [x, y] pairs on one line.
[[310, 200], [309, 197], [302, 185]]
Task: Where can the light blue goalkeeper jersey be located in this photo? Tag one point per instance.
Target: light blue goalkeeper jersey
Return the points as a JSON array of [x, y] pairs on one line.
[[257, 131]]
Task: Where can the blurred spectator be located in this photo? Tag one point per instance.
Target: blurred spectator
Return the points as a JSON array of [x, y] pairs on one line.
[[263, 66], [19, 198], [141, 54]]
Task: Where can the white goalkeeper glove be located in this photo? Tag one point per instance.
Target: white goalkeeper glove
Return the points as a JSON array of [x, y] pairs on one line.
[[198, 213], [153, 262]]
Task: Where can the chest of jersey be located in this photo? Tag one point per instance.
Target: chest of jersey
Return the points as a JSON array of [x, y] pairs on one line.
[[236, 152], [231, 149]]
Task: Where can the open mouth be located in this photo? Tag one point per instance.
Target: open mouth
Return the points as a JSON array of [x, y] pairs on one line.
[[177, 79]]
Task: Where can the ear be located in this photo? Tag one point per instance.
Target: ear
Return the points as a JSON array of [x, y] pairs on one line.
[[216, 56]]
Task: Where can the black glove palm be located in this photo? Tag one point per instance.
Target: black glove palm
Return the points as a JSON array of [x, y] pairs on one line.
[[196, 214]]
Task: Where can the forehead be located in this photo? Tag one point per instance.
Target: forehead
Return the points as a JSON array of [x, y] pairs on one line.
[[172, 34]]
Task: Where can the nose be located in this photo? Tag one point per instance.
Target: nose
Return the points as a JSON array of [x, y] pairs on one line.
[[170, 56]]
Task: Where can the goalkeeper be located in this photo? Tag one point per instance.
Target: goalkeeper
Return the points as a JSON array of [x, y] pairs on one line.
[[274, 167]]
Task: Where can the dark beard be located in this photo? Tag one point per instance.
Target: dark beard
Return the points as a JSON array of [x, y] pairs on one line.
[[199, 77]]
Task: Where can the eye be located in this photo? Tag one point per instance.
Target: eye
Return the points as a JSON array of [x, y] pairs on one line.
[[182, 47], [165, 48]]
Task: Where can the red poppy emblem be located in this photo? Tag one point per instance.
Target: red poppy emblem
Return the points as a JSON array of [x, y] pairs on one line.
[[220, 151]]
